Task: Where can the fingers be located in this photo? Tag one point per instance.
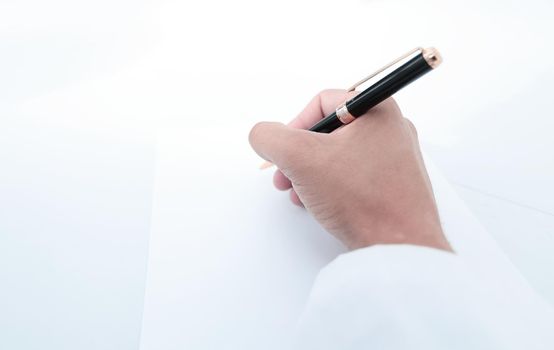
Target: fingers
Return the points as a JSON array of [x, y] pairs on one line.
[[295, 199], [280, 144], [320, 106], [280, 181], [276, 143]]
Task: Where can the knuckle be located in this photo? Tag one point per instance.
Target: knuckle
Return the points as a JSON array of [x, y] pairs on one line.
[[327, 94], [324, 92], [411, 126]]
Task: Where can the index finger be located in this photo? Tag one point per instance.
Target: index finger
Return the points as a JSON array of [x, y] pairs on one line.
[[320, 106]]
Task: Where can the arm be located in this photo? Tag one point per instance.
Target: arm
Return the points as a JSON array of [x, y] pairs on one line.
[[401, 286]]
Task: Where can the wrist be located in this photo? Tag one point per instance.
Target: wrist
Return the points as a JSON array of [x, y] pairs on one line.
[[421, 228]]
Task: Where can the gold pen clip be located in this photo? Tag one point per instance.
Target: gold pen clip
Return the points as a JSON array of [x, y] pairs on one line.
[[373, 75]]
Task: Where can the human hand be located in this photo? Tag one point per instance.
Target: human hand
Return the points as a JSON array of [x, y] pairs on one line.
[[365, 183]]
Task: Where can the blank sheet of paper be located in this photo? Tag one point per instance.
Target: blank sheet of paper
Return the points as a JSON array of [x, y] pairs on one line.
[[232, 260]]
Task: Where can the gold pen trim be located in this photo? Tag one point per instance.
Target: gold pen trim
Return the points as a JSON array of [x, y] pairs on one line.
[[406, 55], [343, 114], [432, 57]]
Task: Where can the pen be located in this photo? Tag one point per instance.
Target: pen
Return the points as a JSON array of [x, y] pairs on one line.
[[423, 61]]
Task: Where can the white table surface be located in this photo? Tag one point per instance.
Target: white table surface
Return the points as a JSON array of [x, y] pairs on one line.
[[84, 86]]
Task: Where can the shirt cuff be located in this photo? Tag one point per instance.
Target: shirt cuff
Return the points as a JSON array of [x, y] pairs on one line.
[[404, 296]]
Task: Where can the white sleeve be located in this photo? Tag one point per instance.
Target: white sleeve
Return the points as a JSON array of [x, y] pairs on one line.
[[408, 297]]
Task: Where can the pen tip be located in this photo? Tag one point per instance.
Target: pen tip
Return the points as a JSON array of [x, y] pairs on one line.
[[266, 165]]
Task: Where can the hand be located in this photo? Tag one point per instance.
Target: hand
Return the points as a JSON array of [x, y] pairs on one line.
[[365, 183]]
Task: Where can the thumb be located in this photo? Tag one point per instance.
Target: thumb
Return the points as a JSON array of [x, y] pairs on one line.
[[280, 144]]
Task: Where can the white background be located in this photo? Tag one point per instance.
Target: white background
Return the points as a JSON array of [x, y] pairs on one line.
[[85, 85]]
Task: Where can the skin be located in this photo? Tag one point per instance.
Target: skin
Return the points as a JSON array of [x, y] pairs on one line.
[[365, 183]]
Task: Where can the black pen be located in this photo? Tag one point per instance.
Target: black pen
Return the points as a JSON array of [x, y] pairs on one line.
[[421, 62], [426, 60]]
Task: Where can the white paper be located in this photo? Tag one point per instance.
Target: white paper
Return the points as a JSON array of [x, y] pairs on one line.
[[232, 261]]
